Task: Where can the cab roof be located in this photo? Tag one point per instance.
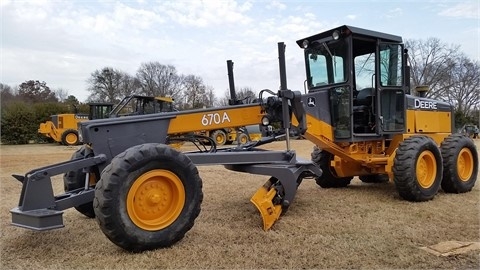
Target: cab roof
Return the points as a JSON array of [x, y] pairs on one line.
[[351, 30]]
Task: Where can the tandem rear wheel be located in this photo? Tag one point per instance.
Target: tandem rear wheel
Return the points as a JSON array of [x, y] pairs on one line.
[[421, 168], [460, 164], [148, 197]]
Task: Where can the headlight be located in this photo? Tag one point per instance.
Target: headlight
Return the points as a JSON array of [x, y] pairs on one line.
[[265, 121], [336, 35], [305, 44], [80, 137]]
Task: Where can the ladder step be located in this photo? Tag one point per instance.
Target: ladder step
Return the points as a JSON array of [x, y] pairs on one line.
[[38, 220]]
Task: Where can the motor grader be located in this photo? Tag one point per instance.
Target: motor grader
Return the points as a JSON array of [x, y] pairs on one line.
[[358, 112]]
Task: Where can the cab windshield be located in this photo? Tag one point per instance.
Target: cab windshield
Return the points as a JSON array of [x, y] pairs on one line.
[[327, 63]]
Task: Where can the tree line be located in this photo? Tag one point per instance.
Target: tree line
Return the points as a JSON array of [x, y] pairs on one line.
[[449, 73], [151, 79]]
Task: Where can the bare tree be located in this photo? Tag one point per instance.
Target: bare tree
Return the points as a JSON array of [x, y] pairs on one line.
[[160, 80], [463, 86], [194, 92], [450, 75], [129, 85], [210, 98], [7, 94], [430, 62], [61, 94], [245, 95], [105, 85]]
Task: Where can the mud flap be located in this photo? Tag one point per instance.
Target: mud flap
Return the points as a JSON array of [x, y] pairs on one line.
[[263, 200]]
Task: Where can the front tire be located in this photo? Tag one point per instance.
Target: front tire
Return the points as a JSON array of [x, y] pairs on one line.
[[329, 178], [417, 169], [460, 164], [148, 197], [70, 137]]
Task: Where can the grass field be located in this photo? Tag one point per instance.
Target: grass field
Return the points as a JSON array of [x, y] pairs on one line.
[[362, 226]]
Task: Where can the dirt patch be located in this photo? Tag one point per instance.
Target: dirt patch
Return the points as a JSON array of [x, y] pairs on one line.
[[362, 226], [451, 248]]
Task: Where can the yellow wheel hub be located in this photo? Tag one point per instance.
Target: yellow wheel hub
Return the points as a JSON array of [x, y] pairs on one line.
[[426, 169], [243, 139], [220, 138], [465, 164], [155, 200], [71, 138]]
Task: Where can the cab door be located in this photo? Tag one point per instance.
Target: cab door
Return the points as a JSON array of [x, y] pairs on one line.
[[391, 87]]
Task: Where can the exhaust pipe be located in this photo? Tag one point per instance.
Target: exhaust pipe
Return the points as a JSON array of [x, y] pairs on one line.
[[422, 90]]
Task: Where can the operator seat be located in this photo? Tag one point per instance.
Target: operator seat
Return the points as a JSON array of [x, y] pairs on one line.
[[363, 111]]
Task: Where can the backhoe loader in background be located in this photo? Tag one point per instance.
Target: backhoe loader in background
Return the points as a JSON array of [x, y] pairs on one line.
[[358, 112], [62, 128]]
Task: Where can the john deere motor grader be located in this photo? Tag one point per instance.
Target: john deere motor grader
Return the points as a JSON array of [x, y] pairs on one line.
[[358, 112]]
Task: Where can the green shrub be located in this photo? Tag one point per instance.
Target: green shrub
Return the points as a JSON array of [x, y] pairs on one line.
[[20, 121], [17, 123]]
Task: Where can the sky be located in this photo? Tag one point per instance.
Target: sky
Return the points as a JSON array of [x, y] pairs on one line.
[[64, 42]]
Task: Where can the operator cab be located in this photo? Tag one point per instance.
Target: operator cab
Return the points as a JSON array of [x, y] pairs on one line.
[[99, 110], [362, 73]]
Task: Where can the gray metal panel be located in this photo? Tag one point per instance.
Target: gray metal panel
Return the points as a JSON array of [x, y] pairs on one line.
[[76, 198], [317, 105], [116, 135], [39, 220], [246, 157]]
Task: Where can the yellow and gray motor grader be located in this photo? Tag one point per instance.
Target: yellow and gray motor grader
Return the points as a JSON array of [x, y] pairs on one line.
[[358, 112]]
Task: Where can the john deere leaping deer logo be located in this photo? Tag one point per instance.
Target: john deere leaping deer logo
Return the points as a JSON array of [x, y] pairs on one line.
[[311, 102]]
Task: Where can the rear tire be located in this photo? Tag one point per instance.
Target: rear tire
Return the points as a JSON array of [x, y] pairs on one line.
[[329, 178], [460, 164], [219, 137], [70, 137], [148, 197], [76, 179], [417, 169]]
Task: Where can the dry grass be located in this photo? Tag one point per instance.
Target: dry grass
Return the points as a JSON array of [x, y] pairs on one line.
[[363, 226]]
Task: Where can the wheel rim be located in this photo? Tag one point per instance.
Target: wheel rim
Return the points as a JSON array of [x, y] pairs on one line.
[[465, 164], [220, 138], [155, 200], [71, 138], [243, 139], [426, 169]]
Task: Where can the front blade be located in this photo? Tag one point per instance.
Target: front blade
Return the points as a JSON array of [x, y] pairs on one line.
[[262, 199]]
